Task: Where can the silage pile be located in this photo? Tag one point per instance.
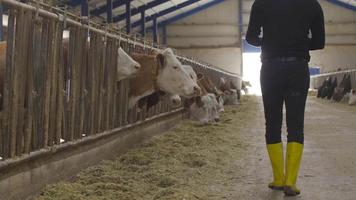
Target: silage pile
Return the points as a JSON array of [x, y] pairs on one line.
[[184, 163]]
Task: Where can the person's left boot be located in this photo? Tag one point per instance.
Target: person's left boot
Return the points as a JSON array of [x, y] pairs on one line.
[[293, 159], [275, 152]]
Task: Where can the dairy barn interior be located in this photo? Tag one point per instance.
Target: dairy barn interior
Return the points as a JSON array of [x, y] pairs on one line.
[[161, 99]]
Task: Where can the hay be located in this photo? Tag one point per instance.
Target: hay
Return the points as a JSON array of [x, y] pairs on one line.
[[184, 163]]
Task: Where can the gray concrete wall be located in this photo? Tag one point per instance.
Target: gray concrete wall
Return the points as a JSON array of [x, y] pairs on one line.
[[25, 178], [211, 36]]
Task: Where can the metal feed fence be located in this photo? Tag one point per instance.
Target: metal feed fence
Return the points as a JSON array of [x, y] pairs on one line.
[[59, 90], [317, 80]]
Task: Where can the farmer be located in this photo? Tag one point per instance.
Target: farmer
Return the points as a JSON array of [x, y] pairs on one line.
[[286, 30]]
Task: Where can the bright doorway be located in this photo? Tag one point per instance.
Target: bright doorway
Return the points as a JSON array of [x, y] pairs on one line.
[[251, 71]]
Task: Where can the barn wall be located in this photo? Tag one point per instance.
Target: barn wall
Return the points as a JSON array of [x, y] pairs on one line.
[[211, 36], [333, 58], [340, 51], [340, 25]]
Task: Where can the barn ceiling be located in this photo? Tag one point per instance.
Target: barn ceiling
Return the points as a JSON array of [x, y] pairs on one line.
[[349, 4], [166, 11]]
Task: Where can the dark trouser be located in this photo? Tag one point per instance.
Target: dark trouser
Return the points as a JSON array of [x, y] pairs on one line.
[[284, 82]]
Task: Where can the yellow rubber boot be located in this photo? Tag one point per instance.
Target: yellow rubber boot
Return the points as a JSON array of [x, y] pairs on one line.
[[275, 152], [293, 159]]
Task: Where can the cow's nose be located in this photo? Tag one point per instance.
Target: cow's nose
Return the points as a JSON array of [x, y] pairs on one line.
[[176, 102]]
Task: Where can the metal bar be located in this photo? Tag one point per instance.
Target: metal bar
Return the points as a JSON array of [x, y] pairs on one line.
[[241, 26], [164, 35], [136, 11], [155, 39], [333, 73], [1, 26], [343, 4], [128, 17], [143, 24], [102, 9], [189, 13], [166, 11], [109, 11], [84, 8], [74, 3]]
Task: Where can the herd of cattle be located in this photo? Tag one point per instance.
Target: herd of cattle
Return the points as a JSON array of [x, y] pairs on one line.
[[339, 93], [153, 76]]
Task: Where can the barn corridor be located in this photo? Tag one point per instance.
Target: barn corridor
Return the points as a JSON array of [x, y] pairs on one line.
[[226, 160]]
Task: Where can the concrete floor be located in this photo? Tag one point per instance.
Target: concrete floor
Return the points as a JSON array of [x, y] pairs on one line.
[[328, 170]]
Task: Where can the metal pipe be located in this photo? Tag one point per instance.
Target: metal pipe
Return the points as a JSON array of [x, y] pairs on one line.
[[164, 34], [333, 73], [241, 26], [109, 11], [143, 24], [128, 17], [1, 26], [84, 8], [155, 30]]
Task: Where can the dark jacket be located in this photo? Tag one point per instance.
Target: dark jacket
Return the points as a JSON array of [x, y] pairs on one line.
[[286, 26]]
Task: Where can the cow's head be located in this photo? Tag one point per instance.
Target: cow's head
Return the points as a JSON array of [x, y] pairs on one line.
[[126, 66], [173, 78]]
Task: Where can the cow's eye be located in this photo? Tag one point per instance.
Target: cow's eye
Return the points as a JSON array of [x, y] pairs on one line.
[[175, 67], [191, 76]]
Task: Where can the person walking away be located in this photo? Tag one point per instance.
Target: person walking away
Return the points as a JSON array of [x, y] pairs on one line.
[[286, 30]]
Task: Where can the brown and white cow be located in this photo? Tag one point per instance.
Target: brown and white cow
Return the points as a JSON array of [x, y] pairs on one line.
[[160, 74]]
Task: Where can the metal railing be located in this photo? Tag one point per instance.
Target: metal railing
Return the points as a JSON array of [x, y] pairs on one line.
[[52, 98], [317, 80]]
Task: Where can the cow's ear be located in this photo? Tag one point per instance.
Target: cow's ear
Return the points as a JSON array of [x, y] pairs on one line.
[[161, 60]]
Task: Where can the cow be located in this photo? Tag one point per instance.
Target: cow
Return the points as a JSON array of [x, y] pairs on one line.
[[205, 107], [327, 88], [245, 85], [352, 97], [342, 89], [210, 88], [230, 95], [126, 66], [161, 74]]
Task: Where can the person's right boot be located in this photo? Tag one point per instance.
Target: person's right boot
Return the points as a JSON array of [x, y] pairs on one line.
[[293, 159]]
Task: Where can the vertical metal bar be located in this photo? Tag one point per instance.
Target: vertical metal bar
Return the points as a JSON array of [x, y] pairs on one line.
[[84, 8], [164, 34], [154, 28], [240, 27], [128, 17], [109, 11], [1, 27], [143, 24]]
